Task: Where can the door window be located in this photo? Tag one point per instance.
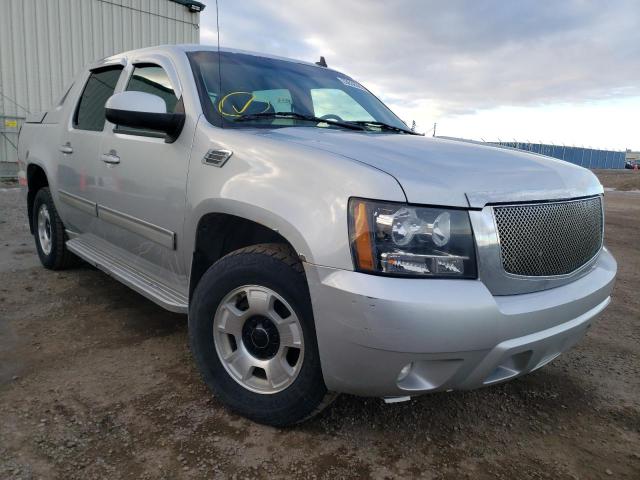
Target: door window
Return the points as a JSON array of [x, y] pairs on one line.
[[154, 80], [90, 114]]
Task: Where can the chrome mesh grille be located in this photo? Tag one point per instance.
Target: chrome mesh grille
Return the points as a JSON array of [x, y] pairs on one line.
[[546, 239]]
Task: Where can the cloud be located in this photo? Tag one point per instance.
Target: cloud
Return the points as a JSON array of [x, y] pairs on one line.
[[455, 57], [208, 35]]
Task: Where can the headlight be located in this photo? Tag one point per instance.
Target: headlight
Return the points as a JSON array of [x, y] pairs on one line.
[[398, 239]]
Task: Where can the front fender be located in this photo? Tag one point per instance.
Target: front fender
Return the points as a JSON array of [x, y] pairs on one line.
[[301, 192]]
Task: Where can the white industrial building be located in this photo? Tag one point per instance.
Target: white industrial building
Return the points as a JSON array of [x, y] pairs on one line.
[[44, 43]]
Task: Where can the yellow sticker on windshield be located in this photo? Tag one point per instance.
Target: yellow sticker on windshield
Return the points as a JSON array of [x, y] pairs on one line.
[[235, 104]]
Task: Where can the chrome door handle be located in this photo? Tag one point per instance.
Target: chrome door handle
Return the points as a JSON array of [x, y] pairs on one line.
[[66, 148], [110, 158]]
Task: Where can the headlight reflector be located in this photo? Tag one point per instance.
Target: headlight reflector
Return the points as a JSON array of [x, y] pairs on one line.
[[399, 239], [441, 229], [404, 226]]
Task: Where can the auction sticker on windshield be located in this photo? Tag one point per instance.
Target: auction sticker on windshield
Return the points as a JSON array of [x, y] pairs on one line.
[[351, 83]]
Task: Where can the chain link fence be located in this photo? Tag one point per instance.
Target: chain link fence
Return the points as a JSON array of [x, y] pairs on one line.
[[585, 157]]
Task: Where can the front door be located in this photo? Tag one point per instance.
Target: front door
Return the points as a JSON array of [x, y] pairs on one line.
[[143, 202]]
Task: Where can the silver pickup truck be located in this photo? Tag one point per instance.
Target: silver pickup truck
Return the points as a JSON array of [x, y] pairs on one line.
[[317, 244]]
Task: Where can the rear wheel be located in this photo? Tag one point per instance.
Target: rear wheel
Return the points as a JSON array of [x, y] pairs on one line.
[[49, 233], [252, 334]]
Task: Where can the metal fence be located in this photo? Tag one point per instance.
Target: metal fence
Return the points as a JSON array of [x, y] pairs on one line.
[[9, 128], [585, 157]]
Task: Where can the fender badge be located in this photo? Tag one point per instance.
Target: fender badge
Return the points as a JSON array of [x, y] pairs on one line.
[[216, 158]]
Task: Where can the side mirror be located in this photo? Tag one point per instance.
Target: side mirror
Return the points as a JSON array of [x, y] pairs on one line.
[[144, 110]]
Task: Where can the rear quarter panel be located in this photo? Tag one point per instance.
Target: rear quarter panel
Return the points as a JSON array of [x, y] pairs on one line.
[[37, 146], [39, 140]]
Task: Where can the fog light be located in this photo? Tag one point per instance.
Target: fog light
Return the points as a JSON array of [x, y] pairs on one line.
[[405, 372]]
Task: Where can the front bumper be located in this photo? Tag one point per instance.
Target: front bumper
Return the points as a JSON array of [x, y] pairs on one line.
[[454, 333]]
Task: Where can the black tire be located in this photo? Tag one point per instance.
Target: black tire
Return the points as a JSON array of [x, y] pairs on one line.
[[276, 267], [58, 257]]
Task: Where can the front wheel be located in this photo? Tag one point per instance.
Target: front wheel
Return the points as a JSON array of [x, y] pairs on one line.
[[253, 338]]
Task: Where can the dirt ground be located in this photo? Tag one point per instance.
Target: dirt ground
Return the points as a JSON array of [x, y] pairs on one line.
[[623, 180], [97, 382]]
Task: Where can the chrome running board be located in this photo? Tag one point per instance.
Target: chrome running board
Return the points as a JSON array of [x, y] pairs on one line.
[[96, 252]]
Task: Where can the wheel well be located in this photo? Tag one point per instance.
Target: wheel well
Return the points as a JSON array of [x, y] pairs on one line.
[[219, 234], [36, 179]]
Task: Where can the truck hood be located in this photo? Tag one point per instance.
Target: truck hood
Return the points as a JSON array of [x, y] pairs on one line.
[[436, 171]]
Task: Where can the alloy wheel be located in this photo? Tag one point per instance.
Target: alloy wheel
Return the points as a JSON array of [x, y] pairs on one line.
[[258, 338]]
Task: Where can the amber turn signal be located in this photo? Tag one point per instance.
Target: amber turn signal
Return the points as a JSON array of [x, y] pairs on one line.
[[362, 240]]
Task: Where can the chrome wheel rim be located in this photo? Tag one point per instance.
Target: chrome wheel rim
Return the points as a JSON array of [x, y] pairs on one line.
[[44, 229], [258, 339]]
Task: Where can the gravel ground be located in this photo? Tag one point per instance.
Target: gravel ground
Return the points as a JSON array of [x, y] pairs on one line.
[[97, 382]]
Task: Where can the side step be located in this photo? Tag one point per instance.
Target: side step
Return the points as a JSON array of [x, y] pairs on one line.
[[90, 249]]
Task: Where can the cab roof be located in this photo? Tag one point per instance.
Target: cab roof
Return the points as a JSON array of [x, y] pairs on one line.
[[191, 47]]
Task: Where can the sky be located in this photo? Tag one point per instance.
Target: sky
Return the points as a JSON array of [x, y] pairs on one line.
[[563, 72]]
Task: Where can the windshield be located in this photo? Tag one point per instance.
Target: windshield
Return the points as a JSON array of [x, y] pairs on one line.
[[243, 90]]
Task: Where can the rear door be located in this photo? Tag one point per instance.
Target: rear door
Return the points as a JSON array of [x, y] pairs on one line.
[[79, 167], [143, 200]]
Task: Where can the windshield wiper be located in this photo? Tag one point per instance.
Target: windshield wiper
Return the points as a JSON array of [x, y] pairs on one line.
[[384, 126], [299, 116]]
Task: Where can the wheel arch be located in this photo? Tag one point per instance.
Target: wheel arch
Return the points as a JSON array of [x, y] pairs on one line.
[[229, 227], [36, 179]]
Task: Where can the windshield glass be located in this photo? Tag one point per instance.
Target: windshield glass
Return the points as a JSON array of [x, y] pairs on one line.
[[243, 90]]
